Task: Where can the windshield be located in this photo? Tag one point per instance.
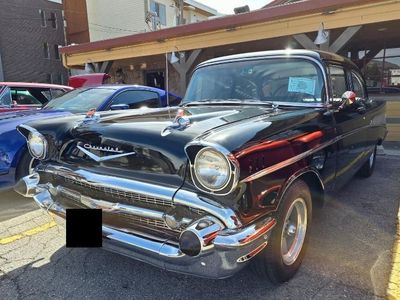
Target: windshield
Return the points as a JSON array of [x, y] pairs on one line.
[[80, 100], [277, 80]]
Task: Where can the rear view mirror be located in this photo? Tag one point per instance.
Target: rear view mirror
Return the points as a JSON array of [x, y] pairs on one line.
[[119, 106]]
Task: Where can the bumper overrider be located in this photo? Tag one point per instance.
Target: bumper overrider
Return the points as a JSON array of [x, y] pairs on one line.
[[215, 245]]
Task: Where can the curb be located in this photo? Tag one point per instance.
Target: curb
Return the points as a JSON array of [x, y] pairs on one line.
[[393, 290]]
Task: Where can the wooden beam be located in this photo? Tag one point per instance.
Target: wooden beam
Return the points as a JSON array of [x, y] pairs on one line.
[[305, 41], [183, 66], [340, 18], [342, 40], [105, 66]]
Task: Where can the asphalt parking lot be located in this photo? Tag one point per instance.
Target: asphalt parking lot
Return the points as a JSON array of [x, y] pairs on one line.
[[349, 255]]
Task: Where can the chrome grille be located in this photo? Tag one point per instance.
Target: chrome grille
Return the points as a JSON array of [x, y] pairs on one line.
[[150, 222], [121, 194]]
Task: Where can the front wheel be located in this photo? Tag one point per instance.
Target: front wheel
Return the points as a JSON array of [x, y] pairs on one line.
[[281, 259], [26, 165]]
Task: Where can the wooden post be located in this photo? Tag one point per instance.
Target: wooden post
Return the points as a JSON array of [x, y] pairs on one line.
[[183, 66]]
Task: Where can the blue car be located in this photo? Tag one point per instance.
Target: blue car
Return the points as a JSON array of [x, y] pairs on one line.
[[16, 161]]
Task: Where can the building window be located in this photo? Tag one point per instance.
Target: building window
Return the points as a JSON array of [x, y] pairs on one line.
[[46, 52], [53, 20], [56, 52], [160, 10], [42, 14], [381, 69]]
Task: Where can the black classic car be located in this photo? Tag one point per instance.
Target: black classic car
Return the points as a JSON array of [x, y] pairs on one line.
[[229, 177]]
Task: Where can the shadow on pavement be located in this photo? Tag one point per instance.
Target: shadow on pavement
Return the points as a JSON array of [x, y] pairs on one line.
[[349, 236]]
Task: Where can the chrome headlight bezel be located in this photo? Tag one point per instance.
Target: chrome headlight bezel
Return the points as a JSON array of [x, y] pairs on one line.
[[223, 160], [41, 143], [196, 148]]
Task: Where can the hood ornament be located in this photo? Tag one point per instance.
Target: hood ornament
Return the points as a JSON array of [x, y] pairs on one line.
[[91, 117], [180, 122], [87, 147]]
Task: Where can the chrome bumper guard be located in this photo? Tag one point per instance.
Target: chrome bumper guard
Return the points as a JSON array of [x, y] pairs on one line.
[[224, 250]]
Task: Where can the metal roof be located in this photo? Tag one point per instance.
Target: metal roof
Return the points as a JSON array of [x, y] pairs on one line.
[[220, 23]]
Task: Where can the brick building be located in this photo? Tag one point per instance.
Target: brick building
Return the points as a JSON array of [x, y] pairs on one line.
[[30, 33]]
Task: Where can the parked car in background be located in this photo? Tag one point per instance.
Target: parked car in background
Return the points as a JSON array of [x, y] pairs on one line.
[[230, 177], [15, 160], [16, 96], [91, 79]]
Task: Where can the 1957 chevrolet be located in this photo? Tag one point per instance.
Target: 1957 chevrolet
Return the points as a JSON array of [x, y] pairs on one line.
[[229, 177]]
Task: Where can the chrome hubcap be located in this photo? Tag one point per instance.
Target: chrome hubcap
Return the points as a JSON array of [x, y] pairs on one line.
[[294, 231], [371, 159]]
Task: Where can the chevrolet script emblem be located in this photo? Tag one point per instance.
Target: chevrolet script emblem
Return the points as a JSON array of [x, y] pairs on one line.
[[86, 147]]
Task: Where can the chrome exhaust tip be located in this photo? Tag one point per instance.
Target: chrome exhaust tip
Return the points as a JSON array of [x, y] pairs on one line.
[[27, 186]]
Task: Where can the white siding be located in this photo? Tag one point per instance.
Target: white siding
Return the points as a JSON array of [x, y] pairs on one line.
[[109, 19]]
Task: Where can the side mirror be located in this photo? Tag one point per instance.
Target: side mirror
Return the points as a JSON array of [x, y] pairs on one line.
[[119, 106], [348, 99]]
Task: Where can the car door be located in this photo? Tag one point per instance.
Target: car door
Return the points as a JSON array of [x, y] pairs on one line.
[[349, 126], [131, 99], [371, 111]]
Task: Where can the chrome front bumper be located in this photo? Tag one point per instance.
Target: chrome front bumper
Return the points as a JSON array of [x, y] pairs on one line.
[[230, 248]]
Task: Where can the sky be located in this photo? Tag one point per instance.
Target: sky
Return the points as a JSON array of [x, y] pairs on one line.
[[227, 6]]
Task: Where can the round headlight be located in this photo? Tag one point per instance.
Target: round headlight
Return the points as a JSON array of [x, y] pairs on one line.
[[37, 145], [212, 169]]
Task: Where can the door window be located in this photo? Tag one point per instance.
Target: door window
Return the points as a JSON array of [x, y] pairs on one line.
[[23, 96], [338, 82], [358, 86], [5, 97], [137, 99]]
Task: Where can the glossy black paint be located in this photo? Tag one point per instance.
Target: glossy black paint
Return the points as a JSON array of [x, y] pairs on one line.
[[258, 136]]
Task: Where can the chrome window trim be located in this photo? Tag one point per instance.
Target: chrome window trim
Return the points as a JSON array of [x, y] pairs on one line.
[[319, 63]]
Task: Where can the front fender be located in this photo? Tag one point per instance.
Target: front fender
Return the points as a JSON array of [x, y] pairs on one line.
[[12, 147]]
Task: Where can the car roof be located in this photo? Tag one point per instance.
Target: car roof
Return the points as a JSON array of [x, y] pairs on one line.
[[126, 86], [316, 54], [35, 85]]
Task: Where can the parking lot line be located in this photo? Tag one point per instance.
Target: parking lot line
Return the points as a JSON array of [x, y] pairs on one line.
[[393, 290], [30, 232]]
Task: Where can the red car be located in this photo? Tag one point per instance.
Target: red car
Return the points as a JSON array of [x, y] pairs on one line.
[[22, 96]]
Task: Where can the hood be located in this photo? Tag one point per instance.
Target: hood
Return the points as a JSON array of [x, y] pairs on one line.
[[10, 120], [149, 143]]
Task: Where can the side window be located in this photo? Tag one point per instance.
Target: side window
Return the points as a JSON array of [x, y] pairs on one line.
[[5, 97], [137, 99], [358, 86], [56, 93], [338, 82], [23, 97]]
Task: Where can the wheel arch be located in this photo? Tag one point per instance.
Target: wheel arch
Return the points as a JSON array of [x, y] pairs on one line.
[[314, 181]]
